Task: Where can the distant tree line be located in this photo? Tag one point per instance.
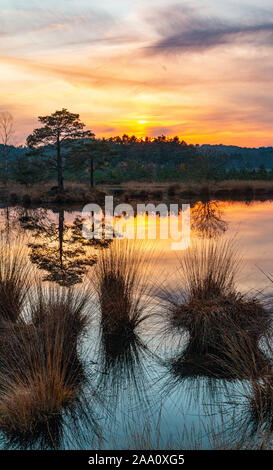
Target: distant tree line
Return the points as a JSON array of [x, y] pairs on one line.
[[61, 148]]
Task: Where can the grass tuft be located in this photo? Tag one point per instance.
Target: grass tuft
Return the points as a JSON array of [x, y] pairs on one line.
[[217, 318], [120, 280], [41, 375], [15, 272]]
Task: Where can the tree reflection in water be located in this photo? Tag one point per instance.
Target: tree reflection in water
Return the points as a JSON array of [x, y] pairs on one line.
[[207, 221], [59, 248]]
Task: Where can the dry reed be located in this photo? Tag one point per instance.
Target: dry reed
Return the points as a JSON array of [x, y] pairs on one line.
[[15, 272], [121, 282], [41, 375]]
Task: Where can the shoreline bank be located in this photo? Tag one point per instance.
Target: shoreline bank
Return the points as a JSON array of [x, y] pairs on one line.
[[80, 193]]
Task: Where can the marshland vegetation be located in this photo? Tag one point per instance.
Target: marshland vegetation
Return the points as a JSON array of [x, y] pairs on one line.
[[41, 374], [206, 303], [76, 192], [72, 358]]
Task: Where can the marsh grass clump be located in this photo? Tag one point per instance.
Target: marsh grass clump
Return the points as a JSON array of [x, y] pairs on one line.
[[208, 304], [15, 272], [224, 327], [41, 374], [120, 280], [62, 314], [37, 395], [209, 268], [209, 321], [235, 355]]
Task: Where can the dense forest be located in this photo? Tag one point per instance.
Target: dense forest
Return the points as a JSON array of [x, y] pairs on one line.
[[159, 159], [62, 148]]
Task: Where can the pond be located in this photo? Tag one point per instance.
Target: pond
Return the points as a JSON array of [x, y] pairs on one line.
[[141, 399]]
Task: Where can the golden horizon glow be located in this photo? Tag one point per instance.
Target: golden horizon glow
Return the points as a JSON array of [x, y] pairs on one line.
[[104, 64]]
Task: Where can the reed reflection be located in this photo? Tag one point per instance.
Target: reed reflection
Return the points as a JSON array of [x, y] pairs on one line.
[[123, 292]]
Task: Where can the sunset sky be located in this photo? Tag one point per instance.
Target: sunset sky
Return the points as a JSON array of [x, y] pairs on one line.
[[202, 70]]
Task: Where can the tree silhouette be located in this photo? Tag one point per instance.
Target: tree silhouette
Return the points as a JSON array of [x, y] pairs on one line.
[[59, 129], [6, 137], [95, 153]]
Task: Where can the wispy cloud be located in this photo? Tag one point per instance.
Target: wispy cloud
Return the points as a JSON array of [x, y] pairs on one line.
[[40, 28], [183, 28], [201, 69]]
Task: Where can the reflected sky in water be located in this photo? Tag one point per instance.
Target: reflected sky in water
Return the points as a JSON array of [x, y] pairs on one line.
[[141, 399], [252, 222]]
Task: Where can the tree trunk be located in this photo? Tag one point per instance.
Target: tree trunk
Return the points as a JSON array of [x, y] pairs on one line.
[[60, 166], [6, 165], [61, 236], [92, 172]]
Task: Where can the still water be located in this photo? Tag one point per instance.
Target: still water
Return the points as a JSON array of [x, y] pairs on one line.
[[141, 401]]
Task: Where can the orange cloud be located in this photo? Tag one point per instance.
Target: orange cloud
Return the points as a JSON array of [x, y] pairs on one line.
[[222, 95]]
